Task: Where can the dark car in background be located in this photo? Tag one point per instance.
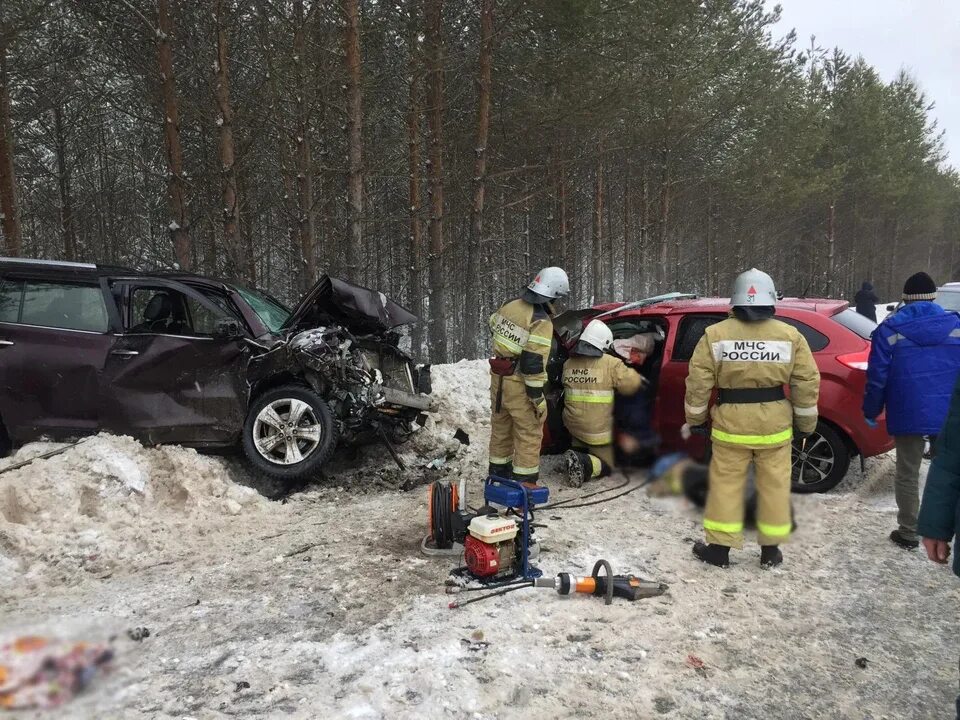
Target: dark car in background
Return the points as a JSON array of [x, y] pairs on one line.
[[180, 358], [839, 339]]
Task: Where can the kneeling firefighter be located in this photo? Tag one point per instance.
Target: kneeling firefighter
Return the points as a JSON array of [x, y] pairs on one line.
[[749, 358], [522, 333], [591, 378]]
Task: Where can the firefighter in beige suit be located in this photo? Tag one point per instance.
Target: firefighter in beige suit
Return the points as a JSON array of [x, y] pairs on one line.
[[749, 358], [591, 380], [522, 333]]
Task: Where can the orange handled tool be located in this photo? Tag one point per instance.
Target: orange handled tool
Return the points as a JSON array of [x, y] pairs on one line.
[[628, 587]]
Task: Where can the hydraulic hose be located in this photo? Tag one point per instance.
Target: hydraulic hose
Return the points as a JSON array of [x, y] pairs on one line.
[[584, 497], [441, 518], [601, 500], [511, 588]]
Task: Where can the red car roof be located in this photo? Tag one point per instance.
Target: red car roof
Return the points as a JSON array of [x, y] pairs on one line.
[[682, 306]]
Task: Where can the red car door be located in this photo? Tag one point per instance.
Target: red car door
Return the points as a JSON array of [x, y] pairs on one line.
[[683, 334]]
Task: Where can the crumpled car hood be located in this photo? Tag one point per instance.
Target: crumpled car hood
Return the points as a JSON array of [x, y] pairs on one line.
[[332, 301]]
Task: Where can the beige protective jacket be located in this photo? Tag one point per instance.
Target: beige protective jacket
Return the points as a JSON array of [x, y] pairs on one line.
[[523, 331], [589, 387], [768, 353]]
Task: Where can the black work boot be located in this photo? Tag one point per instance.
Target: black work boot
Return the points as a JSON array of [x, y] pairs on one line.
[[579, 468], [903, 542], [718, 555], [770, 556], [504, 471]]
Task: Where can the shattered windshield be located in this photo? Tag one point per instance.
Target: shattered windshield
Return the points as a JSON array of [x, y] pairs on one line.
[[273, 314]]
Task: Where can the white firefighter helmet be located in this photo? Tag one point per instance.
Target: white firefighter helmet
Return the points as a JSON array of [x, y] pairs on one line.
[[550, 283], [597, 334], [754, 288]]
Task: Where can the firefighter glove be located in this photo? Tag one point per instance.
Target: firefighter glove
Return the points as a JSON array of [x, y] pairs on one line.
[[687, 431], [540, 405]]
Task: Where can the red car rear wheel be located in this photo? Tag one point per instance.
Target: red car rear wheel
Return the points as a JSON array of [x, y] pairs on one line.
[[820, 463]]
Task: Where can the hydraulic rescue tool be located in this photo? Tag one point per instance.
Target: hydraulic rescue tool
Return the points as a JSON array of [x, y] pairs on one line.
[[608, 586], [496, 542]]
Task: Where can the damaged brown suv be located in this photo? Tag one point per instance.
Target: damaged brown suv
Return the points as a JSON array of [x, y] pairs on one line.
[[178, 358]]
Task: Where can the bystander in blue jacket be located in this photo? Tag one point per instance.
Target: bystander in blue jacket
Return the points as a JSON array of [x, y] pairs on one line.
[[914, 364]]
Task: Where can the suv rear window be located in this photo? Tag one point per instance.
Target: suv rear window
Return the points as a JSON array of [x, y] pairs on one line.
[[55, 305], [692, 329], [852, 320], [690, 332], [815, 339]]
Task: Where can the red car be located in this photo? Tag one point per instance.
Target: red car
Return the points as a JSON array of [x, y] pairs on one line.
[[838, 337]]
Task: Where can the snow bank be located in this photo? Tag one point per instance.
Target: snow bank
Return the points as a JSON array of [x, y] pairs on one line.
[[110, 500], [461, 393]]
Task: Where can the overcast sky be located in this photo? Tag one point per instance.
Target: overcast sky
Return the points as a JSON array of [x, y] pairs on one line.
[[921, 36]]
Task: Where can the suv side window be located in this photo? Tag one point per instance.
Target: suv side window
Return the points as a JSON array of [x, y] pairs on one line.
[[11, 299], [202, 320], [164, 311], [815, 339], [691, 330], [62, 305]]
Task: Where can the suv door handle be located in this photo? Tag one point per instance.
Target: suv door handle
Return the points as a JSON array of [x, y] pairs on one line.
[[6, 343], [125, 353]]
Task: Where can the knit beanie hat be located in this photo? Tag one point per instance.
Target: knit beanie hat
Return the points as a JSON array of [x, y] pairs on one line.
[[919, 286]]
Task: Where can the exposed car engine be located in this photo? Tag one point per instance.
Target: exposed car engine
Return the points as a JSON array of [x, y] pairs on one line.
[[368, 382]]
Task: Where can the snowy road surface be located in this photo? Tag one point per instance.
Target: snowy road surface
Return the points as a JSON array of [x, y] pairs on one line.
[[324, 607]]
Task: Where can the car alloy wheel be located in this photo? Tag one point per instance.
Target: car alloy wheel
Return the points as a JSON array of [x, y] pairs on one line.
[[821, 461], [813, 461], [287, 431]]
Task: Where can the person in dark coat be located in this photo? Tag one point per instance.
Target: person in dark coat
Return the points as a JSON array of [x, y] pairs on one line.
[[939, 520], [866, 301], [913, 366]]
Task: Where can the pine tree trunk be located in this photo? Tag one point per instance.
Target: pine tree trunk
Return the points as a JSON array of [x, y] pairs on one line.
[[471, 305], [247, 233], [663, 234], [644, 231], [304, 160], [597, 250], [415, 277], [8, 178], [434, 56], [711, 247], [63, 183], [351, 42], [609, 250], [629, 251], [176, 194], [831, 250], [230, 204], [564, 230], [527, 248]]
